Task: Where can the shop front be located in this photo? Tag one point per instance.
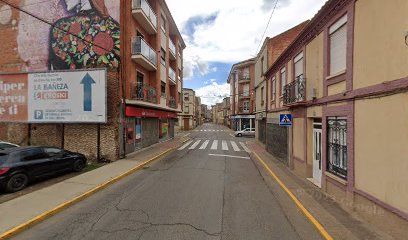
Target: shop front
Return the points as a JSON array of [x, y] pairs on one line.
[[240, 122], [145, 127]]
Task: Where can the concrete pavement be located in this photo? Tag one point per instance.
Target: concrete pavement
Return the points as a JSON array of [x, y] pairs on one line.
[[188, 194]]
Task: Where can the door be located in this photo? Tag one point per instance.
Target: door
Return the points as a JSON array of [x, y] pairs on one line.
[[317, 156], [186, 124]]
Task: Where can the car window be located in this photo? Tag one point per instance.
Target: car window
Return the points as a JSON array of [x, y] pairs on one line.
[[32, 154], [5, 146], [3, 157], [52, 152]]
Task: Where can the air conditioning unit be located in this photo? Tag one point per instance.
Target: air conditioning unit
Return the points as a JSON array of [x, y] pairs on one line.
[[313, 93]]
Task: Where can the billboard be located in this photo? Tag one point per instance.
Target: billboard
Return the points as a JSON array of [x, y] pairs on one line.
[[54, 97]]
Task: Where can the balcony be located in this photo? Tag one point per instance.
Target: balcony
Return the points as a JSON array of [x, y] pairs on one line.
[[172, 48], [144, 92], [172, 102], [244, 94], [172, 76], [144, 15], [244, 78], [143, 54], [294, 92]]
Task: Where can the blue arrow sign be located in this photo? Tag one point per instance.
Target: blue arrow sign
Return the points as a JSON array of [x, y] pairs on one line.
[[87, 81]]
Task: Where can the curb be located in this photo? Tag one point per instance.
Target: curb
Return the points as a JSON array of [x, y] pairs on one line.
[[24, 226], [297, 202]]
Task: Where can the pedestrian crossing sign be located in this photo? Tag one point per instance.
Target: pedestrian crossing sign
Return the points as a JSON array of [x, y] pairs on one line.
[[285, 120]]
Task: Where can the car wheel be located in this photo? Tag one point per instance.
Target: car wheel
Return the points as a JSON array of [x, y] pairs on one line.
[[239, 135], [17, 182], [79, 164]]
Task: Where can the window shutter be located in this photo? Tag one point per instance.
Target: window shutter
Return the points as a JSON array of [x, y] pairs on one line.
[[338, 47]]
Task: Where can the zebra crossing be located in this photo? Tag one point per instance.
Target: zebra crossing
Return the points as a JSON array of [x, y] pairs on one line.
[[223, 144], [210, 130]]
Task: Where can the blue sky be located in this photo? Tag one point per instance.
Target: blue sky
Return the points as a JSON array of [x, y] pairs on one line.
[[219, 33]]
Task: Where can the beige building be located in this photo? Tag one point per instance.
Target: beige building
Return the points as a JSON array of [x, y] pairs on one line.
[[197, 112], [344, 80], [187, 117]]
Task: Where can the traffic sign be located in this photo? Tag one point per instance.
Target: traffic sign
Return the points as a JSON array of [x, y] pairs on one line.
[[285, 120]]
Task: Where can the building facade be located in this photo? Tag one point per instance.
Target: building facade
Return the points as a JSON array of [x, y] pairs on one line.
[[341, 79], [269, 52], [241, 80], [137, 42], [187, 119]]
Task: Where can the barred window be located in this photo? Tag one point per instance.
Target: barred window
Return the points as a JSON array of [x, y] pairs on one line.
[[337, 146]]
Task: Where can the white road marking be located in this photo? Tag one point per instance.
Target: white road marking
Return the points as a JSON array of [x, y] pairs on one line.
[[214, 145], [235, 146], [185, 145], [222, 155], [245, 147], [204, 145], [195, 144], [224, 145]]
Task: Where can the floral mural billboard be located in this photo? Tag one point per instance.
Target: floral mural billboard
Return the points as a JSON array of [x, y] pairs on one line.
[[65, 34]]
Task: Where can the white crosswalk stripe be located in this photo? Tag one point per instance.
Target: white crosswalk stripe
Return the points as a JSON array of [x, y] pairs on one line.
[[235, 146], [205, 144], [195, 144], [214, 145], [245, 147], [224, 145], [185, 145]]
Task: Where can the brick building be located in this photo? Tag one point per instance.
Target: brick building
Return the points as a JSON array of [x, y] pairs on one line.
[[137, 42]]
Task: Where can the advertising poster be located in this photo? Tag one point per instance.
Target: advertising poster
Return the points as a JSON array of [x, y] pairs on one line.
[[54, 97]]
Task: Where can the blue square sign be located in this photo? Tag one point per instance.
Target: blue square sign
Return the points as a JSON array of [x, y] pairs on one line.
[[285, 120]]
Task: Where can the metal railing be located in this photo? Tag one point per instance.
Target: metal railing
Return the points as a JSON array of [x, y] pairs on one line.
[[172, 47], [144, 92], [140, 46], [172, 102], [172, 75], [144, 5], [244, 77], [295, 91]]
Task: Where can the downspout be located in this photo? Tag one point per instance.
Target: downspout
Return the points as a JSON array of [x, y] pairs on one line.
[[121, 70]]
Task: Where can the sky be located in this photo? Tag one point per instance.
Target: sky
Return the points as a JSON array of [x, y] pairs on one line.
[[219, 33]]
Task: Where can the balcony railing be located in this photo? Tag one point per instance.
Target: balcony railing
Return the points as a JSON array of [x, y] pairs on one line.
[[141, 47], [172, 75], [144, 92], [172, 102], [294, 92], [144, 5], [244, 77], [172, 47]]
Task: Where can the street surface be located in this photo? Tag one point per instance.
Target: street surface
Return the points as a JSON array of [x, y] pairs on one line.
[[209, 188]]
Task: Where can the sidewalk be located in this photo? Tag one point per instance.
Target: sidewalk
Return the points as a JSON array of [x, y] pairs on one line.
[[27, 207], [339, 223]]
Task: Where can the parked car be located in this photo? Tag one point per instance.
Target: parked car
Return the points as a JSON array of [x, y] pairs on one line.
[[20, 166], [249, 132], [6, 145]]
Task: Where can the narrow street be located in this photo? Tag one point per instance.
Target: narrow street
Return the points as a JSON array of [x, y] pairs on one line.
[[210, 188]]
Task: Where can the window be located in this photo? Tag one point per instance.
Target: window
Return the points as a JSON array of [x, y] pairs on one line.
[[163, 89], [163, 23], [283, 80], [186, 109], [273, 88], [186, 97], [298, 62], [32, 154], [246, 106], [246, 90], [245, 74], [163, 57], [338, 46], [262, 66], [52, 152], [262, 96], [337, 146], [139, 34]]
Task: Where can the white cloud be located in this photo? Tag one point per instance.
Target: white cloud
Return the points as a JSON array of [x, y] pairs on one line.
[[230, 31], [214, 93]]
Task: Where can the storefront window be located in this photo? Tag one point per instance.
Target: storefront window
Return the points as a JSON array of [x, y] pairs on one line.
[[164, 128]]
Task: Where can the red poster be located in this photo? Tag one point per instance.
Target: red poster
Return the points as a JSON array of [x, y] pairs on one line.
[[13, 98]]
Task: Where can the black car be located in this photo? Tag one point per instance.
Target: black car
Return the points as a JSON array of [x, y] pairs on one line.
[[20, 166]]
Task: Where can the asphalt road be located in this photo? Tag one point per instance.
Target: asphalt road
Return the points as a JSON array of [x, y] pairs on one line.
[[188, 194]]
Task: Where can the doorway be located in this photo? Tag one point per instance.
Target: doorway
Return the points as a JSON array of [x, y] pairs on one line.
[[317, 154]]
